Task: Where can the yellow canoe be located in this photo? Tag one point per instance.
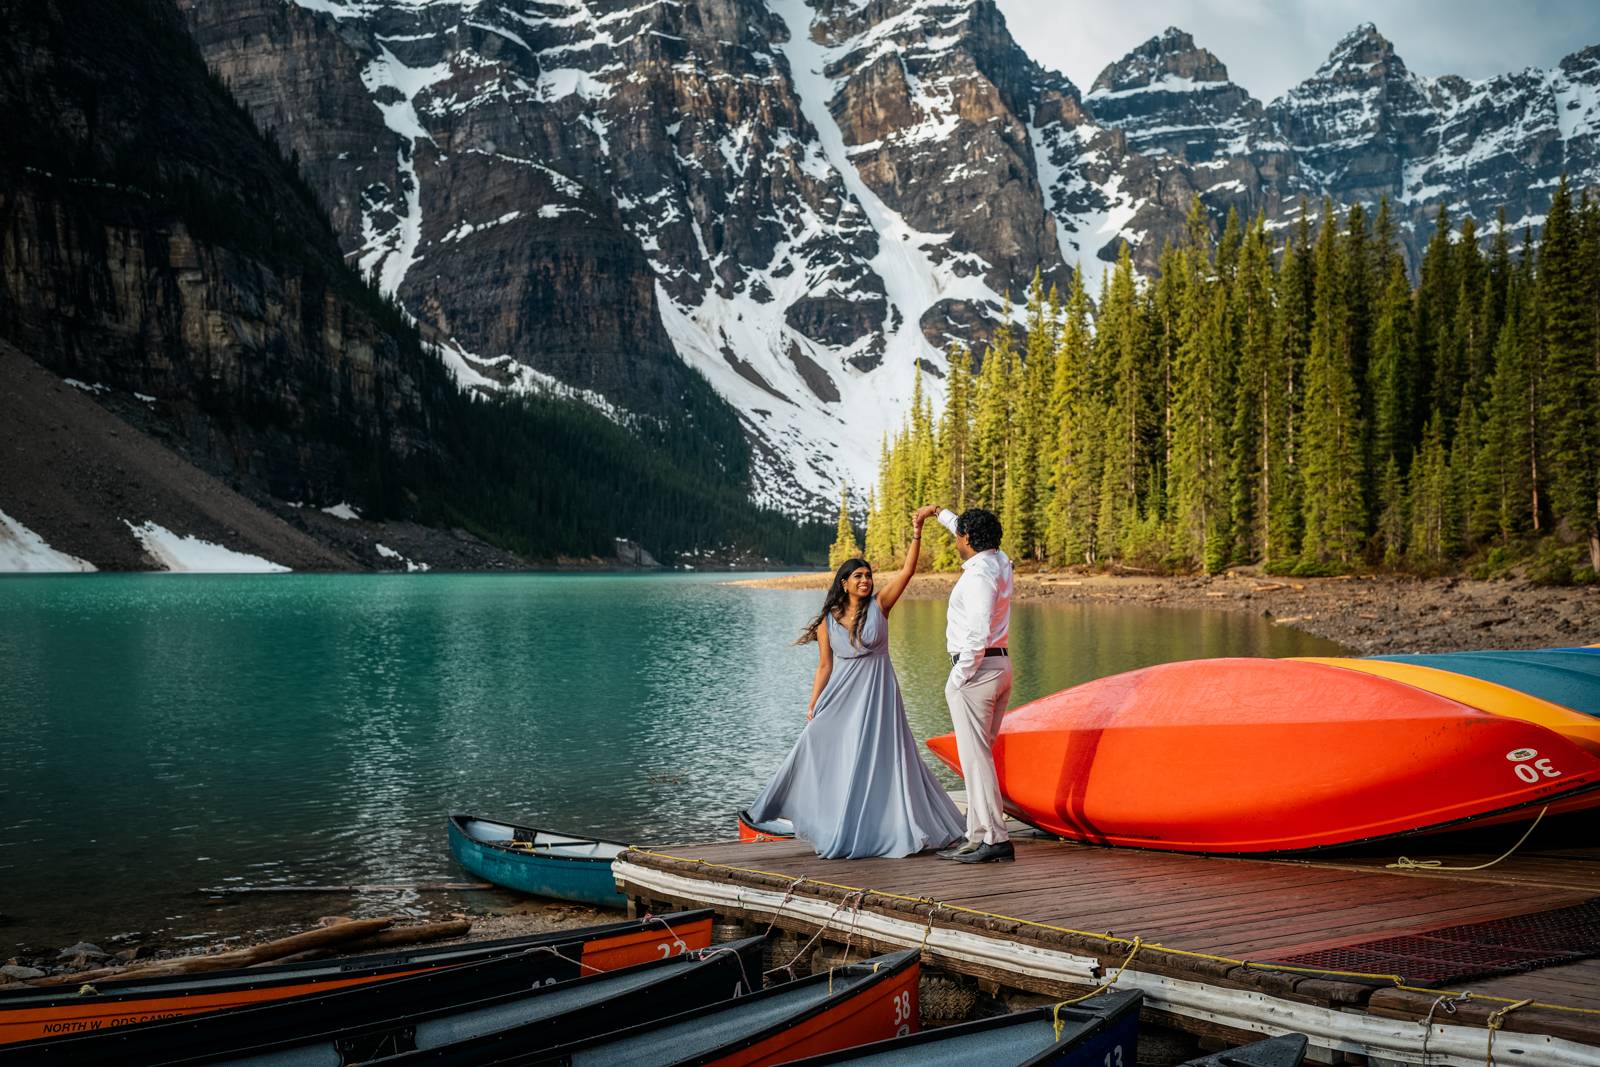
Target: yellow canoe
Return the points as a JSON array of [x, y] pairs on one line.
[[1582, 729]]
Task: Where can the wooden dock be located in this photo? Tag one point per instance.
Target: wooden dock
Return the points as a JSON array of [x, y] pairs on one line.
[[1199, 934]]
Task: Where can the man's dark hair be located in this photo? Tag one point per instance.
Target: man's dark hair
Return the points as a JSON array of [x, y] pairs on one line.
[[981, 527]]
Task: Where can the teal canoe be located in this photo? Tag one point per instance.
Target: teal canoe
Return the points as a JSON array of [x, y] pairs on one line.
[[539, 862], [1569, 677]]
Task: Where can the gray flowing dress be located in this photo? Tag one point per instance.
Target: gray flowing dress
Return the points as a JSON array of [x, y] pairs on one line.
[[854, 785]]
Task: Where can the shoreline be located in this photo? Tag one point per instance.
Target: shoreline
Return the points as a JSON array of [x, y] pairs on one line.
[[1368, 614]]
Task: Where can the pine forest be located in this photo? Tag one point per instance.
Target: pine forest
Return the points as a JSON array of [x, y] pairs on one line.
[[1302, 403]]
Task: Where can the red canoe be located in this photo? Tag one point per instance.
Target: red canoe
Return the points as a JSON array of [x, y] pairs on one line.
[[1259, 755]]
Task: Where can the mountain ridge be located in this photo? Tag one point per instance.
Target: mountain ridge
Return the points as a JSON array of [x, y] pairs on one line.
[[808, 202]]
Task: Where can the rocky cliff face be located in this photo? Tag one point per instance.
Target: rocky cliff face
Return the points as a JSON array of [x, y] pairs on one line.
[[806, 200], [127, 259], [159, 250]]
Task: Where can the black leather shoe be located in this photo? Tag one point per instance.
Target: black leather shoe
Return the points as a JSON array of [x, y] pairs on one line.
[[957, 851], [999, 852]]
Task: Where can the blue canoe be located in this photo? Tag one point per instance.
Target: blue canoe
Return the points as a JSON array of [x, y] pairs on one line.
[[1094, 1033], [539, 862], [1569, 677]]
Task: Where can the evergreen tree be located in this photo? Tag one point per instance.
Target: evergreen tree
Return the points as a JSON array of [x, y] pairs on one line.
[[1292, 330], [879, 549], [1391, 370], [1505, 456], [1335, 518], [1129, 423], [991, 428], [1199, 491], [1022, 504], [1572, 369], [1437, 289], [1256, 404], [844, 544], [1075, 418], [1433, 507], [1392, 516], [954, 441]]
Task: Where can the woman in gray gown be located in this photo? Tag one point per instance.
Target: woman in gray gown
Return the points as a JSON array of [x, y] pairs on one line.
[[854, 785]]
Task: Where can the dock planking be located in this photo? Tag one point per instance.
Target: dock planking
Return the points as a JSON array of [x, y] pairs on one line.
[[1237, 914]]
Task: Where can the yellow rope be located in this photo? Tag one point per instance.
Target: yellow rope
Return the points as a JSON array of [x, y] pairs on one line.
[[1138, 943], [1405, 863], [1398, 981], [1495, 1020]]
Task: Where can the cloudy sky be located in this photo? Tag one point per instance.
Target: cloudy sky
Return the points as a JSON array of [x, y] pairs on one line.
[[1269, 45]]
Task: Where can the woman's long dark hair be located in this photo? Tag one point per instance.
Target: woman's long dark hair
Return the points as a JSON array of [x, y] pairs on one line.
[[836, 601]]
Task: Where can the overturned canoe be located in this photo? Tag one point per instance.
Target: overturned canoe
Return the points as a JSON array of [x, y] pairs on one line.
[[540, 862], [1568, 677], [28, 1014], [1475, 692], [1257, 755], [1099, 1031]]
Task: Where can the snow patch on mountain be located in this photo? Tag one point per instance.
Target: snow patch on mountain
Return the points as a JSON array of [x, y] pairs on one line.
[[23, 551]]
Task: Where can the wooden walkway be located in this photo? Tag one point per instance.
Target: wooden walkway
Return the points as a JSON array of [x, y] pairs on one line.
[[1064, 917]]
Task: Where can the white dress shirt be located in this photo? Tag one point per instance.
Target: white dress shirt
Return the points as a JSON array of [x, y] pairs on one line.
[[979, 615]]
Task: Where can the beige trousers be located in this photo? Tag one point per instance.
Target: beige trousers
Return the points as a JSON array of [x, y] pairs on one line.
[[975, 711]]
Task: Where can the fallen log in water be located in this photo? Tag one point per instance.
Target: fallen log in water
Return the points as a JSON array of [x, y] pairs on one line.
[[424, 887], [419, 934], [322, 937]]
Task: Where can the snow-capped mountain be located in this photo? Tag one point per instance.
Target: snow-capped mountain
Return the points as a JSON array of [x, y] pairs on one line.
[[806, 200]]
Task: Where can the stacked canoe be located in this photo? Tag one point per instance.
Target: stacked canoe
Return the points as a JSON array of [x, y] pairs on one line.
[[1261, 756], [651, 992]]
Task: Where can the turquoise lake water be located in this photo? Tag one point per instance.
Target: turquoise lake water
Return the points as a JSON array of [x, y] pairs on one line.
[[164, 733]]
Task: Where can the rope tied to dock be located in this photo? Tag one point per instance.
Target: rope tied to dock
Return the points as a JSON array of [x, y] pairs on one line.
[[1406, 863], [1104, 987], [1448, 1002], [788, 895], [855, 917], [1496, 1020], [927, 931]]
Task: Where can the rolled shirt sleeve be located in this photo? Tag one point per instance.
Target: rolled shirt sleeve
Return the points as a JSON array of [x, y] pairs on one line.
[[947, 519], [977, 608]]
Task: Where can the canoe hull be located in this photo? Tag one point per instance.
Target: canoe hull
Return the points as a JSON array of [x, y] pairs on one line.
[[26, 1016], [1257, 756], [387, 1015], [751, 831], [1094, 1033], [540, 874]]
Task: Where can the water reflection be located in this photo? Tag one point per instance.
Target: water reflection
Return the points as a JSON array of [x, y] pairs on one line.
[[160, 733]]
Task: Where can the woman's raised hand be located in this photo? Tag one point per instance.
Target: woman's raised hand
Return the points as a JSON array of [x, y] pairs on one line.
[[924, 513]]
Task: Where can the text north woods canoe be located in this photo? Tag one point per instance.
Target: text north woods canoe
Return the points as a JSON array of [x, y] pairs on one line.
[[491, 996], [29, 1014]]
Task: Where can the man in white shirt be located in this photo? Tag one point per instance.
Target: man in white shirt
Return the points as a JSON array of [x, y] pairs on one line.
[[976, 632]]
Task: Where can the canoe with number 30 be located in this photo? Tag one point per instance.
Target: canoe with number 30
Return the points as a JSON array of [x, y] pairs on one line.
[[1258, 756]]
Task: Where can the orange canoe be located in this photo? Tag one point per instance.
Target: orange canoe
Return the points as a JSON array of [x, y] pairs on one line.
[[46, 1012], [1259, 755]]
